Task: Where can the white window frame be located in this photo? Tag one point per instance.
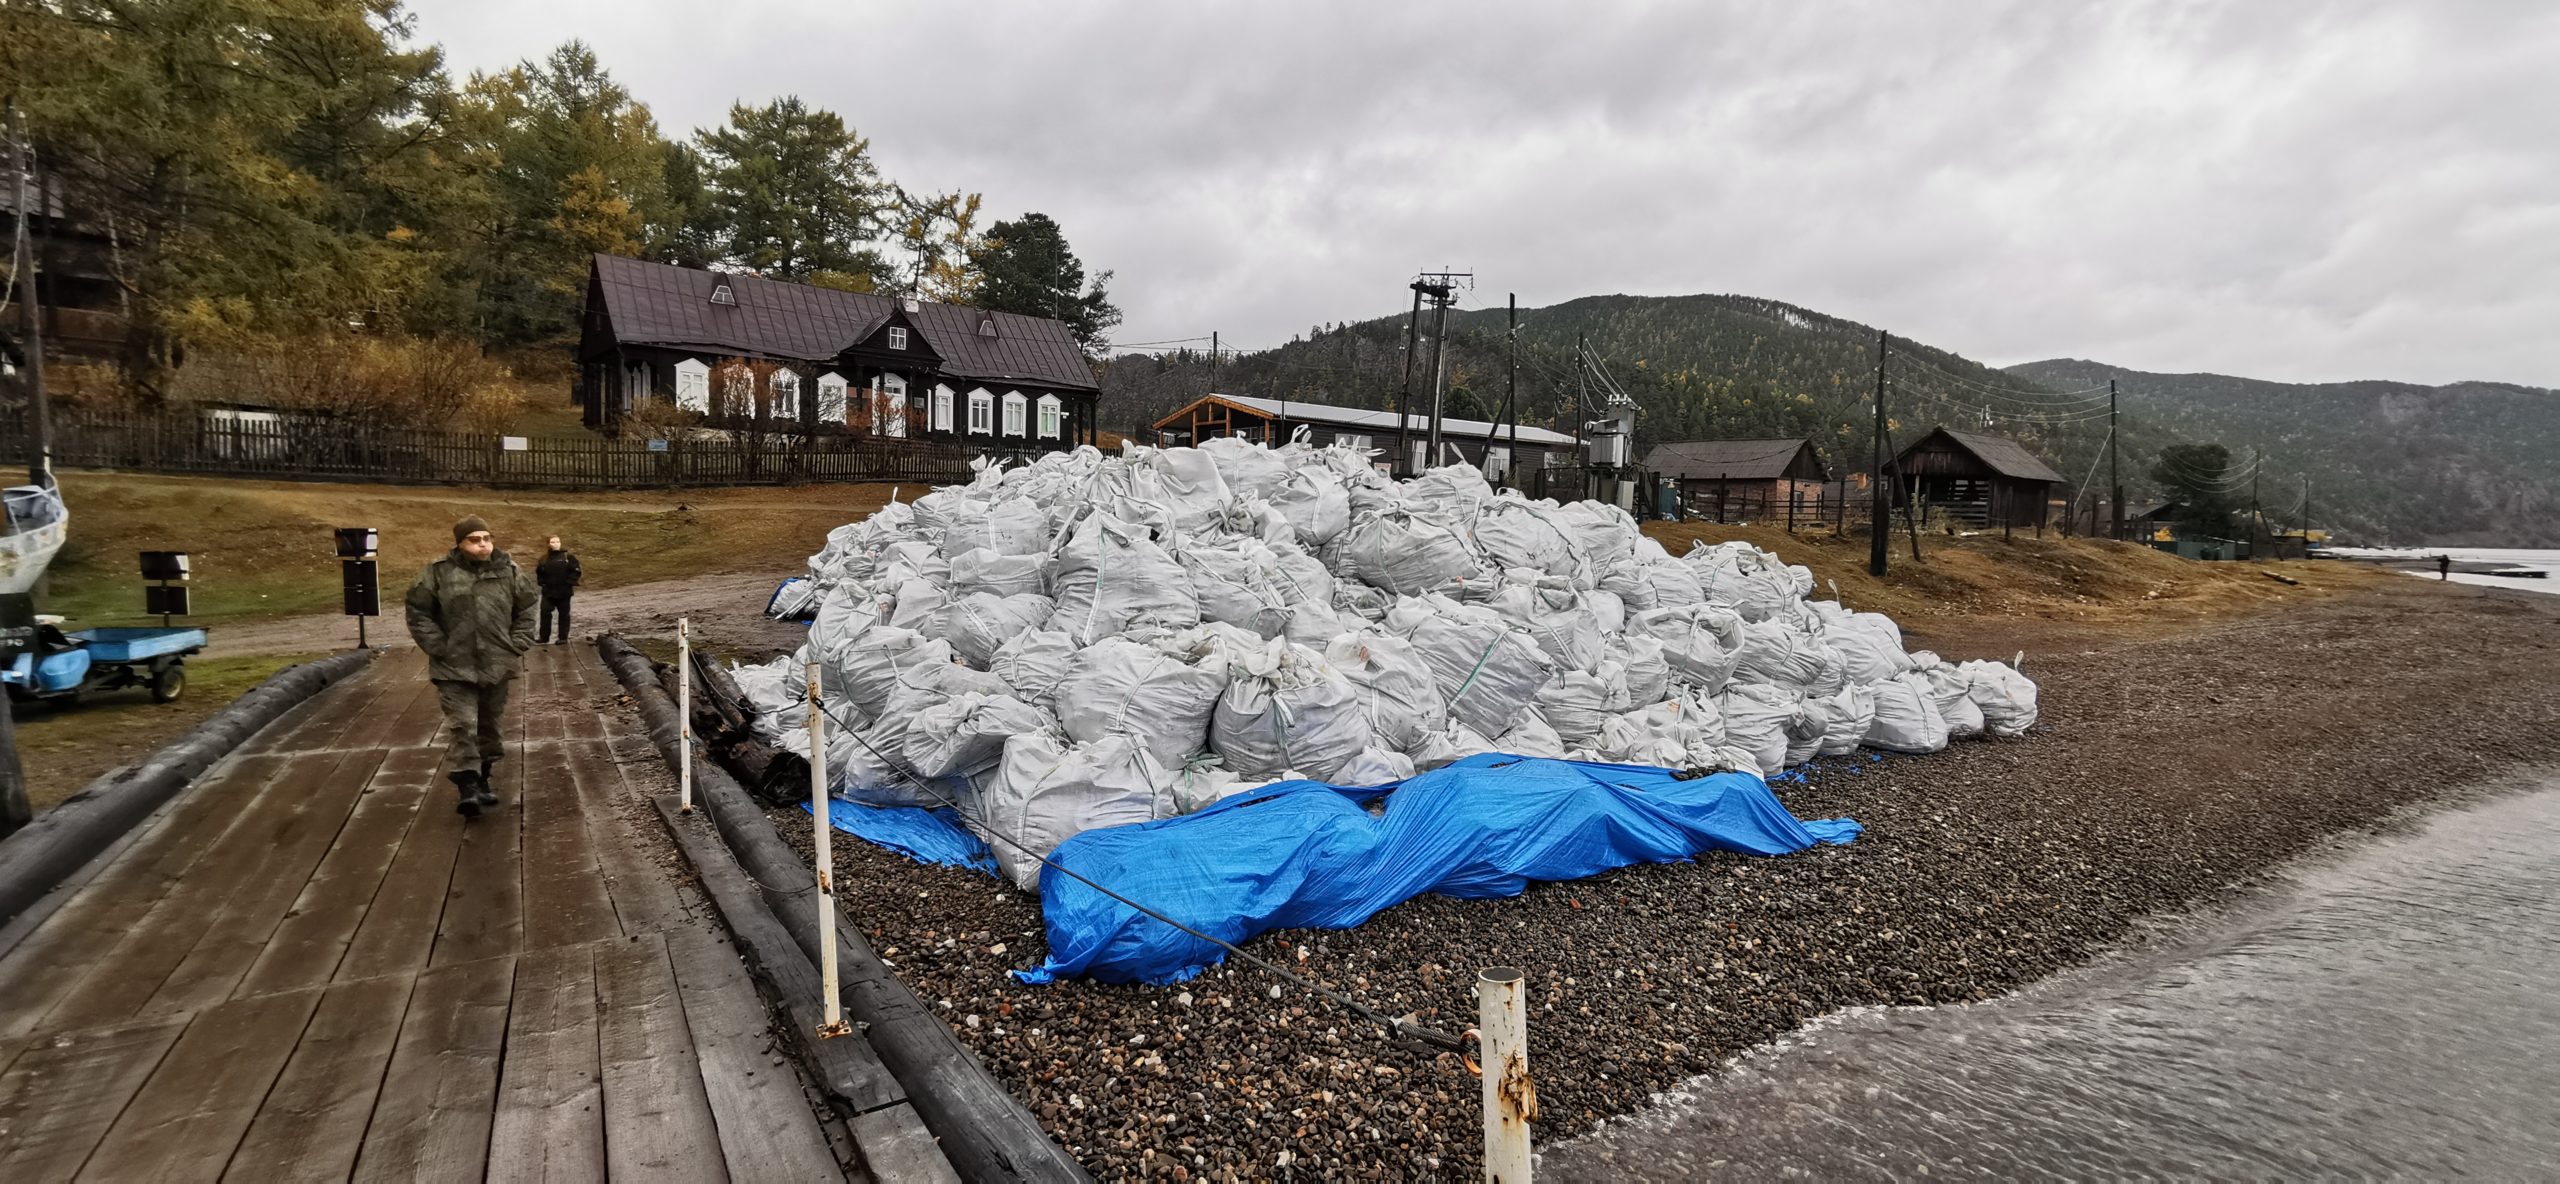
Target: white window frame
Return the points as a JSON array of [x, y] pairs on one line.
[[889, 409], [982, 412], [941, 419], [1017, 419], [1497, 462], [897, 338], [693, 385], [1413, 463], [782, 395], [1355, 441], [1050, 417], [832, 405], [738, 390]]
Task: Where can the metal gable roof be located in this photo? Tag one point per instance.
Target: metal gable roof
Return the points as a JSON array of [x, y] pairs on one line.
[[1476, 429], [1023, 349], [665, 305], [2005, 456], [1741, 460]]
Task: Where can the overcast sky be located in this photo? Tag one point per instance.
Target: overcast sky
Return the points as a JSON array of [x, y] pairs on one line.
[[2296, 191]]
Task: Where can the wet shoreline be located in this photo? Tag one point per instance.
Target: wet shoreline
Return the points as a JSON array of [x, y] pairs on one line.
[[2377, 1008]]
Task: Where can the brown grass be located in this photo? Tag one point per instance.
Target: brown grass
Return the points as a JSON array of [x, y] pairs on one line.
[[264, 549], [2050, 586]]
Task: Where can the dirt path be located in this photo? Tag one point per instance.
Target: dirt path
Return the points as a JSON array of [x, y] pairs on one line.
[[727, 611]]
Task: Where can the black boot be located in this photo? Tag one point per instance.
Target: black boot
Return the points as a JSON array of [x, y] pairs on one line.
[[488, 790], [470, 786]]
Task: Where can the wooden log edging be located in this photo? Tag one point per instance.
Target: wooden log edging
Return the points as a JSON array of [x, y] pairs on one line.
[[888, 1134], [985, 1131], [62, 839]]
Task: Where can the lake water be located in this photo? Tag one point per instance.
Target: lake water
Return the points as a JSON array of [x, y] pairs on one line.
[[2421, 561], [2393, 1011]]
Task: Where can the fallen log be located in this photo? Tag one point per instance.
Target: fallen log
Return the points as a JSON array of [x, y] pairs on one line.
[[985, 1131], [63, 838], [728, 703], [722, 730]]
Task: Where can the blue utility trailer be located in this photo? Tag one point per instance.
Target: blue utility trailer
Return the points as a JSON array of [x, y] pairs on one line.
[[65, 666]]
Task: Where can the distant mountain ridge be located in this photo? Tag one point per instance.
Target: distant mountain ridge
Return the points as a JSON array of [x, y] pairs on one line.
[[2388, 461], [2466, 463]]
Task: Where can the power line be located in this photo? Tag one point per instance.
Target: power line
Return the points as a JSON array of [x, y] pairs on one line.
[[2074, 397], [1987, 411]]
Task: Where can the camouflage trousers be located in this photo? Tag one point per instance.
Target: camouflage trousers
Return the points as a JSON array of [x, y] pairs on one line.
[[475, 721]]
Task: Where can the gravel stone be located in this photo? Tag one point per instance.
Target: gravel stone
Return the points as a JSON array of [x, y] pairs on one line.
[[2167, 773]]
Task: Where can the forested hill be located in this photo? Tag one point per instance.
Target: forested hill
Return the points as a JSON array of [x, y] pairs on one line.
[[2468, 462], [1701, 367], [2387, 461]]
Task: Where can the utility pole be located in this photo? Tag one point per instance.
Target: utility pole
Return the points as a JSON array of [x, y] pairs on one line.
[[1511, 389], [1213, 361], [1439, 374], [2115, 481], [1581, 408], [1404, 394], [1876, 527], [1440, 293], [30, 317], [2257, 522], [2306, 512]]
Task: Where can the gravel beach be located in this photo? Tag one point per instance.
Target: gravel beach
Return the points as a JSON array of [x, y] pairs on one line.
[[2167, 771]]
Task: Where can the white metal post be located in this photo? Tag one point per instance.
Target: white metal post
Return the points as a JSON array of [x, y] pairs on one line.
[[684, 715], [834, 1024], [1510, 1099]]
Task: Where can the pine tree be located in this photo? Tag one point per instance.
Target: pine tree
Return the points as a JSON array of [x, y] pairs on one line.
[[1025, 266], [795, 191]]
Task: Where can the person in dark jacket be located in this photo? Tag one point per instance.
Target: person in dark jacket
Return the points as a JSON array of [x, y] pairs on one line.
[[558, 576], [472, 612]]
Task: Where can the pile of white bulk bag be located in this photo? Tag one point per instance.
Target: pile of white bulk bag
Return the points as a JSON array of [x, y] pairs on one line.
[[1095, 639], [1489, 670], [1287, 712], [1159, 694]]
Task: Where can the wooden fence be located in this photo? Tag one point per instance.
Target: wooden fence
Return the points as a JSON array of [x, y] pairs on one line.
[[300, 448]]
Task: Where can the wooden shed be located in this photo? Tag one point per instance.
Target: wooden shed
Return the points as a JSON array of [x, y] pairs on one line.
[[1974, 478], [1753, 478]]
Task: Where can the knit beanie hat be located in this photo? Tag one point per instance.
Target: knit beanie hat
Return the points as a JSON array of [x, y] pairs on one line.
[[465, 528]]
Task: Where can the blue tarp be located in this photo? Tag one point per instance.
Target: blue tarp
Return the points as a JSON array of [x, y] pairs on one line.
[[926, 836], [1303, 855]]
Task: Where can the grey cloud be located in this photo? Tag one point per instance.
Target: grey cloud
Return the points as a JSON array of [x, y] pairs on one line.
[[2299, 191]]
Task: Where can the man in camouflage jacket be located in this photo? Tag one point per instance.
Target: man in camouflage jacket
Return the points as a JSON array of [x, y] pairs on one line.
[[472, 612]]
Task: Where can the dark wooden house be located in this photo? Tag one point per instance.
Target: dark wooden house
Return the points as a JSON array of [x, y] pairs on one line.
[[1757, 477], [77, 295], [1975, 478], [742, 348], [1503, 450]]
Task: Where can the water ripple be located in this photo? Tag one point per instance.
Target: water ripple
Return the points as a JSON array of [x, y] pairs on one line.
[[2396, 1013]]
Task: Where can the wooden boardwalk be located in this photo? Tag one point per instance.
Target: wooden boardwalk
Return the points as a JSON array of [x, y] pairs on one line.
[[309, 967]]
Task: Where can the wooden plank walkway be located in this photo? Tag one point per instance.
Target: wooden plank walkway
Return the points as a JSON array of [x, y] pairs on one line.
[[309, 967]]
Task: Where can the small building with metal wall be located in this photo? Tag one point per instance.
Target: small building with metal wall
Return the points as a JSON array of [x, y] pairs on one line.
[[1488, 446]]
